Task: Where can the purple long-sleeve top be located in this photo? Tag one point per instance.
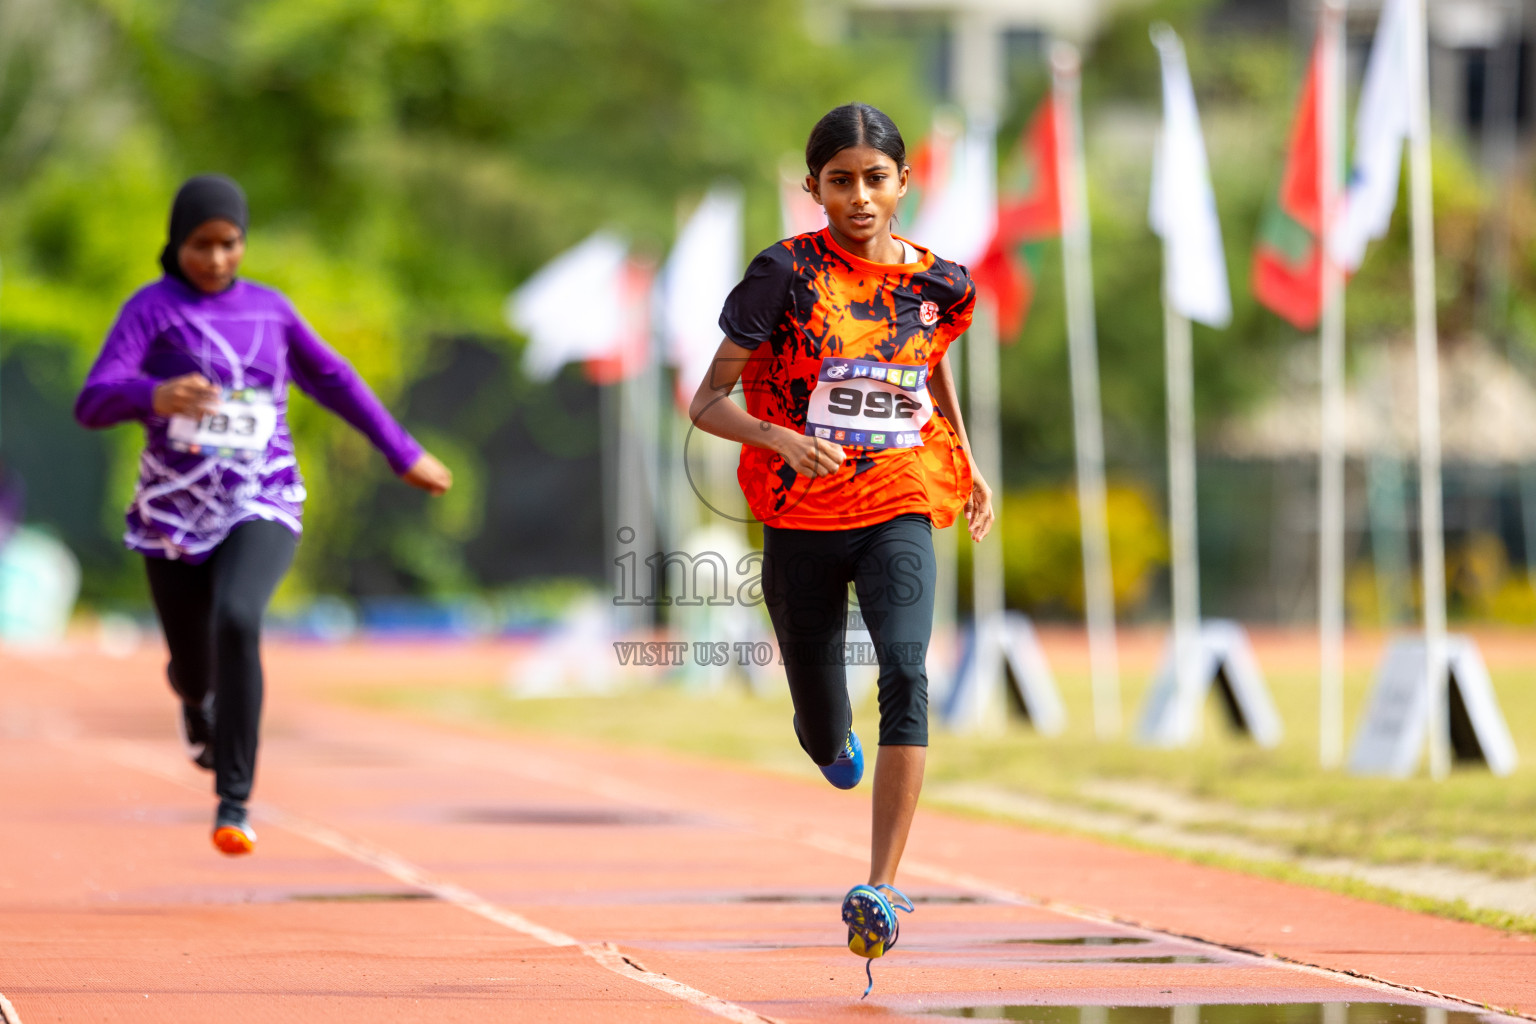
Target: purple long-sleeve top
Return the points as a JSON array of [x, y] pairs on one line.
[[246, 339]]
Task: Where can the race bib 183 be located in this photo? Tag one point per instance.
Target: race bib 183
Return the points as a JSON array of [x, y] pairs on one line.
[[243, 422], [866, 404]]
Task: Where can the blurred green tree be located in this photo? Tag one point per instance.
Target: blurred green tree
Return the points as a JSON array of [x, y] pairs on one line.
[[410, 163], [407, 165]]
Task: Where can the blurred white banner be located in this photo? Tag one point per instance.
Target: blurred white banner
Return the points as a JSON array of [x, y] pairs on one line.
[[1382, 125], [704, 266], [1183, 211], [575, 308]]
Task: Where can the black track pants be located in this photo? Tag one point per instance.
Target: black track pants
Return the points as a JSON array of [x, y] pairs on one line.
[[211, 614], [805, 584]]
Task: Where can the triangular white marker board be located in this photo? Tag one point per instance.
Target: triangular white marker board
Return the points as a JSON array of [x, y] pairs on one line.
[[1028, 671], [1224, 658], [967, 707], [1391, 736], [1032, 677]]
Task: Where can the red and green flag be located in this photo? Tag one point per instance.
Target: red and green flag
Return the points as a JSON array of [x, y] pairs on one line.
[[1028, 212], [1287, 262]]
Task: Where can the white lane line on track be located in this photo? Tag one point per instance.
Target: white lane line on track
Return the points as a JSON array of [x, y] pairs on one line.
[[134, 755], [603, 954], [8, 1014]]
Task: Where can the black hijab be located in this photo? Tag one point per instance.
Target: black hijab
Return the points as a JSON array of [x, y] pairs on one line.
[[199, 200]]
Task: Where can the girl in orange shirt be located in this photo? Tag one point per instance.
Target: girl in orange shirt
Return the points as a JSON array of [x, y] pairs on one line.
[[853, 451]]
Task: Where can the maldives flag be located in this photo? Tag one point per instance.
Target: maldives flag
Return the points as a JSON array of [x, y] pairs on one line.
[[1287, 262], [1030, 212]]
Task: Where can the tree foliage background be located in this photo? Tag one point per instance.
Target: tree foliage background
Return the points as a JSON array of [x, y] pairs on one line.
[[409, 163]]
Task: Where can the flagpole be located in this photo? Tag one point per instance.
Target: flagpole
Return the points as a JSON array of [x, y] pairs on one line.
[[1330, 101], [979, 83], [987, 595], [1426, 349], [1088, 422], [1179, 365], [1183, 213], [610, 429]]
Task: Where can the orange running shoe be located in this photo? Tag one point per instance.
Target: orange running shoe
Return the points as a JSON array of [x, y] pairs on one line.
[[232, 832]]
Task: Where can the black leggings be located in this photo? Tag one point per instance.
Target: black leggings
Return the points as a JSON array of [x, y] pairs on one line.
[[805, 583], [211, 614]]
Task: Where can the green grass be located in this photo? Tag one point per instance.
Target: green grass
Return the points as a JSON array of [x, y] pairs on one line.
[[1471, 821]]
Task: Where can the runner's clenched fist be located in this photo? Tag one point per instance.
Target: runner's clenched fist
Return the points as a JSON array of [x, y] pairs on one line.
[[191, 394]]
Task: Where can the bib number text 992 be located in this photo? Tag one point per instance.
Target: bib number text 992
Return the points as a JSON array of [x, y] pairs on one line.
[[875, 405]]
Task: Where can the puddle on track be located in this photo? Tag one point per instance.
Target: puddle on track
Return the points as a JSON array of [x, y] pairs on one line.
[[1171, 959], [359, 897], [568, 816], [1086, 940], [1260, 1013]]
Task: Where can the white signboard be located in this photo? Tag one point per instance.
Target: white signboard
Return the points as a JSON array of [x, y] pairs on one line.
[[1224, 658], [1392, 734], [39, 581], [1030, 673]]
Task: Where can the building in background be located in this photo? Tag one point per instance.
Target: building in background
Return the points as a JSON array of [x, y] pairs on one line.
[[935, 25]]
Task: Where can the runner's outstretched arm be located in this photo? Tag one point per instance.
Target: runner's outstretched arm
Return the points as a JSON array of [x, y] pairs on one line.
[[327, 377]]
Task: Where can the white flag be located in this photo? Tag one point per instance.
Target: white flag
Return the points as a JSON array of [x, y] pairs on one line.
[[1382, 124], [1183, 210], [575, 308], [959, 216], [704, 266]]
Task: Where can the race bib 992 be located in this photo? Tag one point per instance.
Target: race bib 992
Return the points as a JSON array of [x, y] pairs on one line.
[[862, 403], [243, 422]]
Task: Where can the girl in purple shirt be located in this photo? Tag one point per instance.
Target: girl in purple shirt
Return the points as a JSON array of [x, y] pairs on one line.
[[204, 361]]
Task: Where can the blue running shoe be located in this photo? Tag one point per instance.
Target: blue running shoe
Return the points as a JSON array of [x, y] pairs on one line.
[[848, 769], [872, 925]]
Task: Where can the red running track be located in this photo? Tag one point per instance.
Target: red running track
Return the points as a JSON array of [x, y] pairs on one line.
[[410, 871]]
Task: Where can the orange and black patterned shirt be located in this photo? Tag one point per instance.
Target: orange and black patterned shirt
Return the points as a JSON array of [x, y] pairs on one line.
[[842, 348]]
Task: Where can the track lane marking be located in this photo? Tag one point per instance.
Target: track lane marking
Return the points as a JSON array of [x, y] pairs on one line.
[[134, 755], [542, 768]]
